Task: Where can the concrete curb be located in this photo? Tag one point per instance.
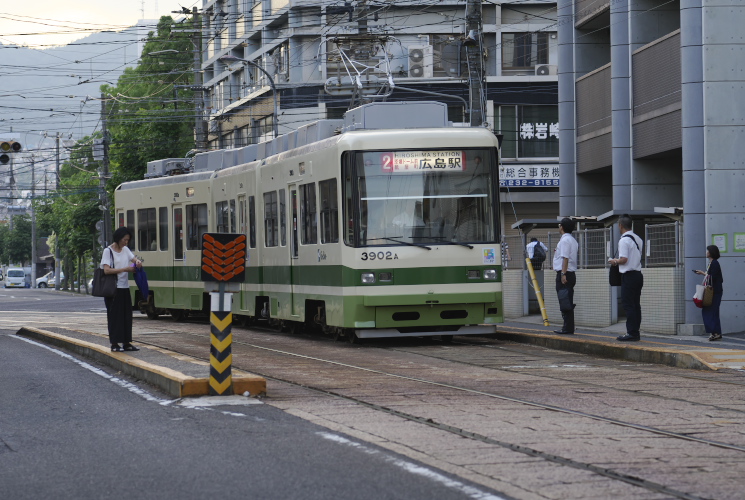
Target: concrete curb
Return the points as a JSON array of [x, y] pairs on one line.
[[172, 382], [678, 358]]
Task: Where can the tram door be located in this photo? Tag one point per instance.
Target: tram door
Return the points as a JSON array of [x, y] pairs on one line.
[[178, 253], [293, 246]]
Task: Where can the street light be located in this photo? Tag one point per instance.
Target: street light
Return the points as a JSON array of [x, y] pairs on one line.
[[231, 58]]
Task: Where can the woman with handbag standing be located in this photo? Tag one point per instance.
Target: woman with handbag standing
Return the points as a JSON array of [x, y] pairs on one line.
[[711, 313], [116, 259]]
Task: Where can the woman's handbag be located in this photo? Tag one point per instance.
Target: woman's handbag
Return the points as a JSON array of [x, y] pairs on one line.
[[704, 293], [104, 285]]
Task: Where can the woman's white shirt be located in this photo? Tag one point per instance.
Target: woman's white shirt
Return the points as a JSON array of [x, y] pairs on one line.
[[121, 259]]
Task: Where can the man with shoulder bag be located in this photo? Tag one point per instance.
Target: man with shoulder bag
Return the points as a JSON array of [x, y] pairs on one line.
[[565, 265], [629, 263]]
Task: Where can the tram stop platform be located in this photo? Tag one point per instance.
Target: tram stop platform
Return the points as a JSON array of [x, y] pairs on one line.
[[175, 374], [694, 352]]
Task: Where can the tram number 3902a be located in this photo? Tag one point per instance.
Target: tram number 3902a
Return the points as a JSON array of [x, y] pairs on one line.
[[379, 256]]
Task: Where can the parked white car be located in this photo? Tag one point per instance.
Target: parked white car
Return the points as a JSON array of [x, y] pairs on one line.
[[48, 280]]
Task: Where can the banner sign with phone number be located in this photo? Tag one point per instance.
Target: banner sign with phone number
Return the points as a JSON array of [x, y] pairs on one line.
[[423, 161], [528, 176]]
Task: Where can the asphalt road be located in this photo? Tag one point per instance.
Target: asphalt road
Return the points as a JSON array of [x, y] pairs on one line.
[[31, 299], [68, 430]]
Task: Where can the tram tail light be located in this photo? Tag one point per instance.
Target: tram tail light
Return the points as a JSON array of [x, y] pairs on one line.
[[490, 274], [474, 274], [368, 277], [385, 276]]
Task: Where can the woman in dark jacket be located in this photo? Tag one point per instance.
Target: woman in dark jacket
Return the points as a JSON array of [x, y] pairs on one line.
[[711, 313]]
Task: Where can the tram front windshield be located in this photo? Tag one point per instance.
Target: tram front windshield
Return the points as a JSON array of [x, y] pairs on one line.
[[425, 197]]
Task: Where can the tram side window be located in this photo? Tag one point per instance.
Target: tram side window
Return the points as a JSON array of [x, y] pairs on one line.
[[329, 211], [163, 223], [121, 219], [282, 218], [309, 232], [231, 212], [131, 227], [146, 227], [252, 221], [242, 215], [178, 234], [270, 219], [196, 225], [223, 217]]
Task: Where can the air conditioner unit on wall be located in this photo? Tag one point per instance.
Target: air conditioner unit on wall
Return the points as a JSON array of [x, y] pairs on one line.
[[545, 69], [421, 61]]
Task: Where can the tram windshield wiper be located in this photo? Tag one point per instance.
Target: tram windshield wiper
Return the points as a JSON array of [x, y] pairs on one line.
[[395, 238], [439, 238]]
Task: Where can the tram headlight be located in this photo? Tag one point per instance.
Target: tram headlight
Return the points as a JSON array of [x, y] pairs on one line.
[[368, 277], [490, 274]]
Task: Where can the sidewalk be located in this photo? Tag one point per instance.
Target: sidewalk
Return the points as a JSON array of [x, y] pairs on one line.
[[175, 374], [679, 351]]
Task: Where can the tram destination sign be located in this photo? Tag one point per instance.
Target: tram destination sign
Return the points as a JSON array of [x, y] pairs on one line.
[[423, 161], [223, 257]]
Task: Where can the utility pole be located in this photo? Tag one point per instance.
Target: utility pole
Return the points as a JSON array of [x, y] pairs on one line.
[[201, 139], [56, 245], [474, 56], [104, 175], [33, 222]]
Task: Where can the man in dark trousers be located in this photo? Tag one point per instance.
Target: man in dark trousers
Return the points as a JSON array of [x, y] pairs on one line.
[[629, 262], [565, 265]]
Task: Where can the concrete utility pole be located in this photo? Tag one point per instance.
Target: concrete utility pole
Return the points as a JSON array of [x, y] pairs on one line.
[[474, 56], [104, 175], [56, 245], [33, 223], [199, 130]]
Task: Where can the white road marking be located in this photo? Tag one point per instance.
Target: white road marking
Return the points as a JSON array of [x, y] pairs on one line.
[[121, 383], [413, 468]]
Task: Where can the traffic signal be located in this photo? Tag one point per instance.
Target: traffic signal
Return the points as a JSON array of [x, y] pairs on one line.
[[7, 148]]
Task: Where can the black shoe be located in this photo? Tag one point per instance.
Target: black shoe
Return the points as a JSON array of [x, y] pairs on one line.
[[715, 336], [563, 332], [130, 347], [628, 338], [116, 348]]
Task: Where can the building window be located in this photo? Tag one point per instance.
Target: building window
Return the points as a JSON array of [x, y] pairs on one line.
[[309, 231], [521, 52], [265, 125], [270, 219], [446, 55], [529, 131], [329, 211], [146, 230]]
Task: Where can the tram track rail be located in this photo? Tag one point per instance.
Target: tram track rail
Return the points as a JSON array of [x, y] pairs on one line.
[[526, 450]]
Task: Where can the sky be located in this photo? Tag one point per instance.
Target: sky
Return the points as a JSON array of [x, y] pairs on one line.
[[41, 23]]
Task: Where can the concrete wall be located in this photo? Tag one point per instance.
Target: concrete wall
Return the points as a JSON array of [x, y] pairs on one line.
[[513, 292], [663, 299]]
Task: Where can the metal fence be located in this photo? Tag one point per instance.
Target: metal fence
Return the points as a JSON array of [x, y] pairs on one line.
[[663, 247]]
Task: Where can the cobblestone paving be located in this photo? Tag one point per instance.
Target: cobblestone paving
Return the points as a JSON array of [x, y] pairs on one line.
[[708, 406]]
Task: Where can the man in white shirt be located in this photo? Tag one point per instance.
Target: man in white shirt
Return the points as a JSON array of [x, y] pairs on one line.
[[629, 263], [565, 265]]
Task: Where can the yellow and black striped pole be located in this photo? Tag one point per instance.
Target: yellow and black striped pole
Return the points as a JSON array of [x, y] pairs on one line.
[[224, 260], [221, 346]]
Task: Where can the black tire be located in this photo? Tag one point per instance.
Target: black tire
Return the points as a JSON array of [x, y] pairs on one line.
[[446, 339], [178, 315], [42, 285]]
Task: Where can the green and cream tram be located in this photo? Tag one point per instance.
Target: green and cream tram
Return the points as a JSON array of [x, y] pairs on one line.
[[369, 233]]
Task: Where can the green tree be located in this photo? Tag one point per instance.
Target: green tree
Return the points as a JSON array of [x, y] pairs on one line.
[[18, 241], [149, 117]]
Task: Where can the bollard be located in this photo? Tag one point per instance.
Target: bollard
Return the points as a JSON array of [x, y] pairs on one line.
[[221, 343], [538, 293], [224, 259]]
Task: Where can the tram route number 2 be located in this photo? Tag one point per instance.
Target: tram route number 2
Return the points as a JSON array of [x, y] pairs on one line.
[[379, 256]]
